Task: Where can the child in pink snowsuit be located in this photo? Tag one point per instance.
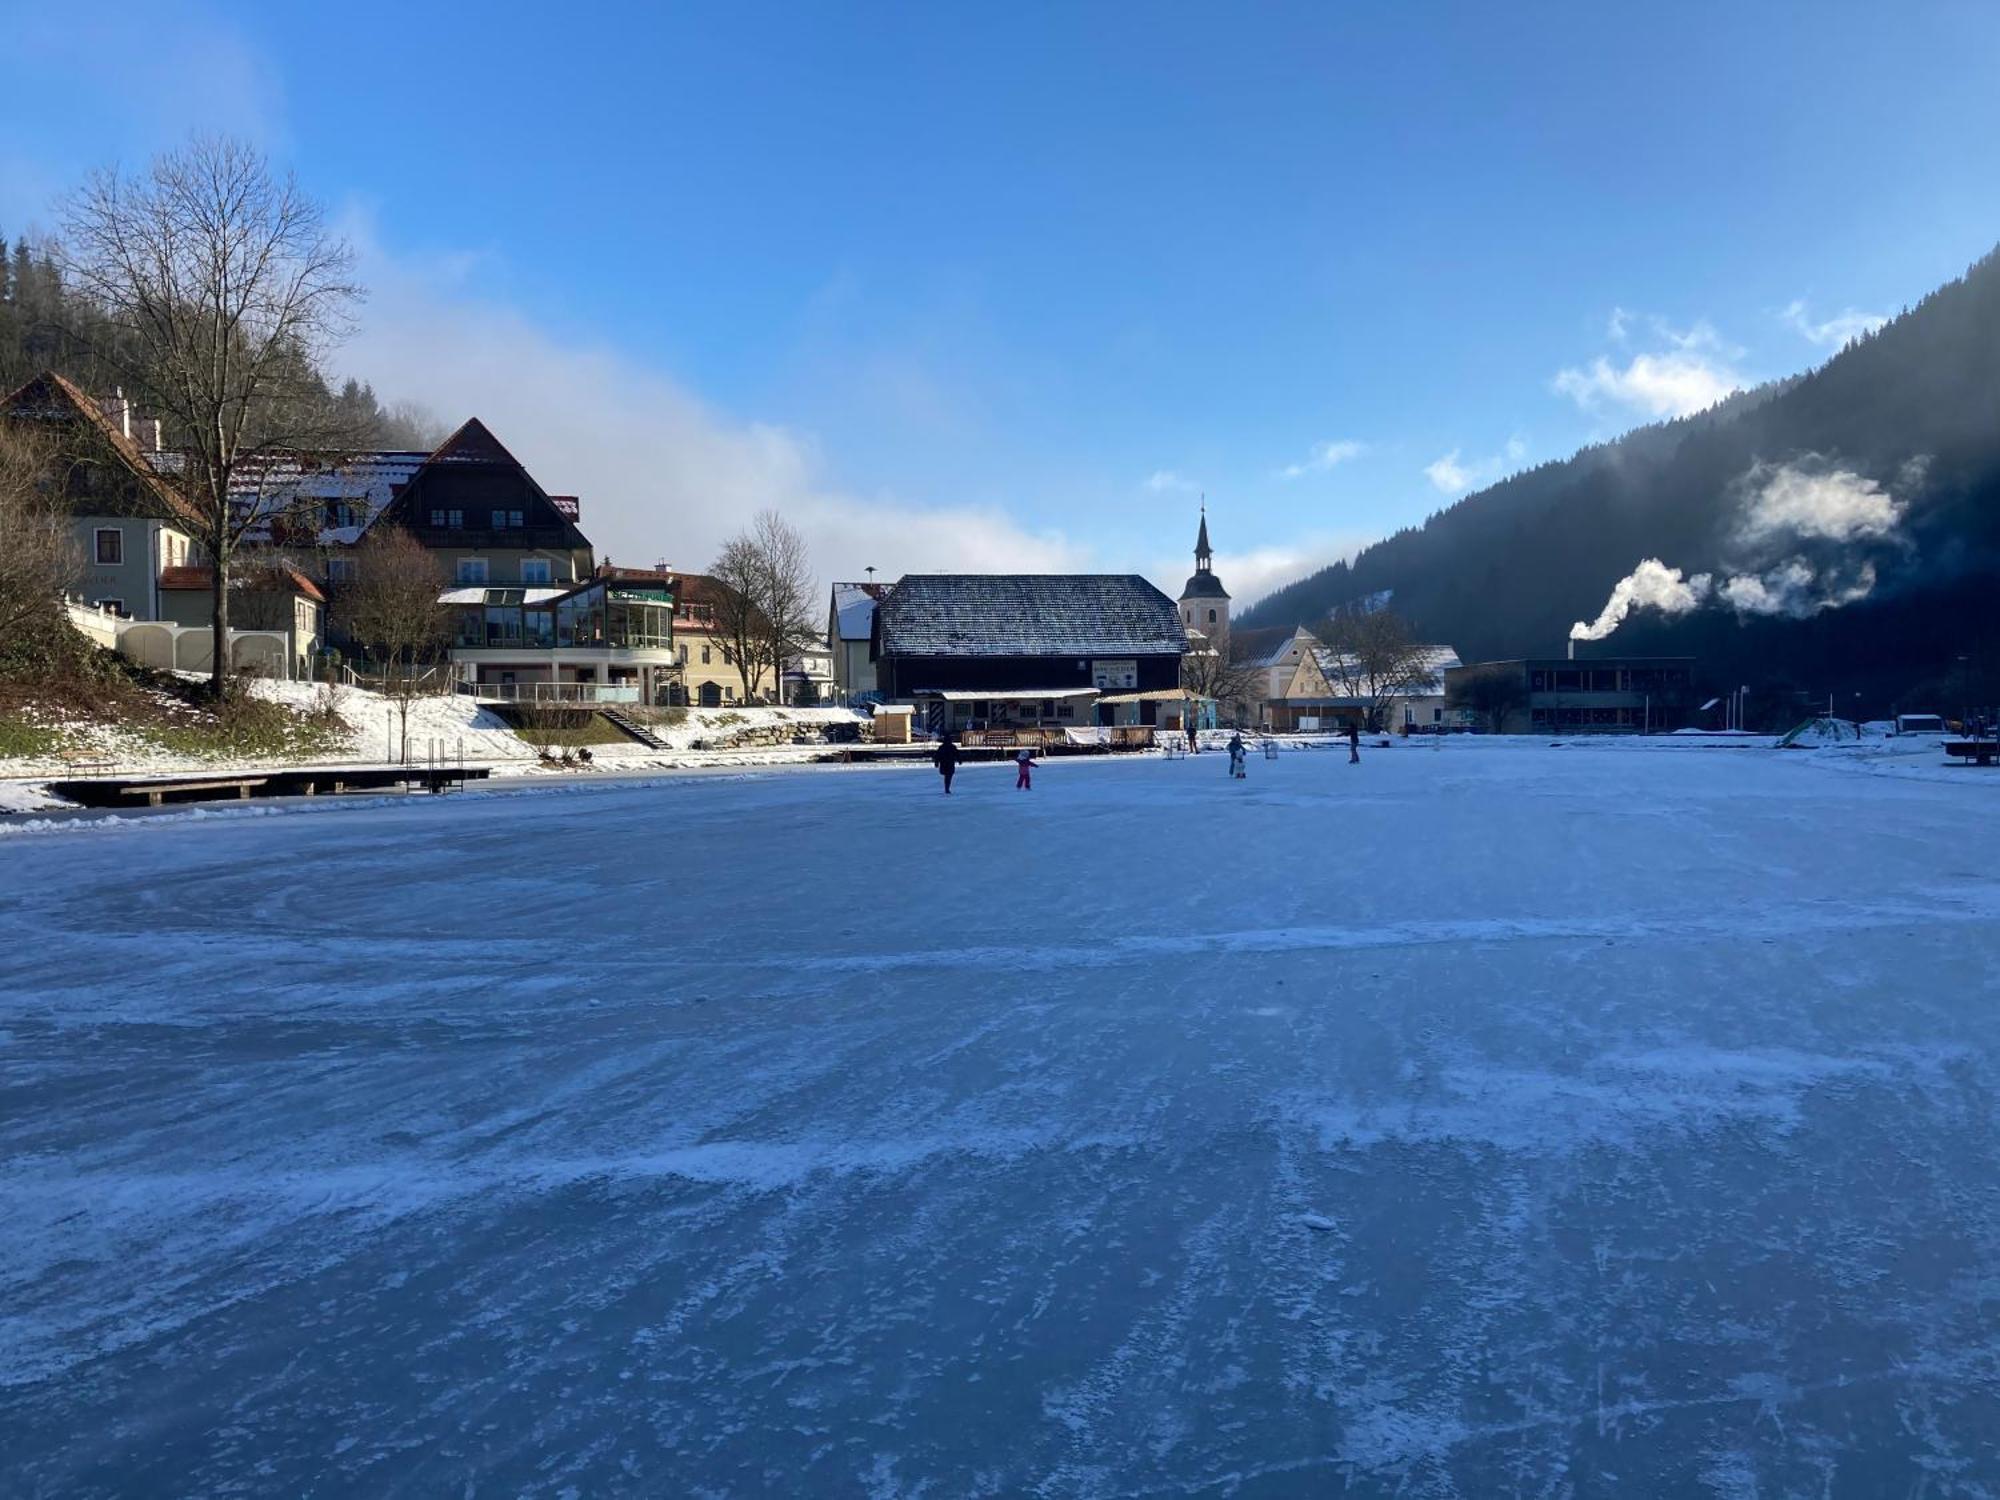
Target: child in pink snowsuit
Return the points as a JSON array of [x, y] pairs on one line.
[[1025, 760]]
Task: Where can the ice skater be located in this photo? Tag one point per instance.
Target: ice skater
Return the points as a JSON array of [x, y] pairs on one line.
[[1354, 744], [1194, 743], [1238, 767], [1025, 759], [946, 759]]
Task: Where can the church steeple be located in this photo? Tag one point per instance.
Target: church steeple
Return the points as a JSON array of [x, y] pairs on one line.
[[1204, 602]]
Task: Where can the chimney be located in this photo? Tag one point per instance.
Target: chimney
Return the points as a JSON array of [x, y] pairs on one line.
[[124, 411], [1572, 648], [159, 436]]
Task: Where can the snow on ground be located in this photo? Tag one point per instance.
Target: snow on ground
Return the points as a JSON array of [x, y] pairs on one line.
[[1490, 1120], [451, 726]]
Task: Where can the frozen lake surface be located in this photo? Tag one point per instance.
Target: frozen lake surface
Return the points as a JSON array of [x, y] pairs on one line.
[[1499, 1120]]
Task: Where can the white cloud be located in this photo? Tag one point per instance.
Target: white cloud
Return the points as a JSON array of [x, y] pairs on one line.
[[1448, 474], [1453, 474], [1836, 332], [1164, 481], [661, 474], [1324, 456], [1695, 369], [1657, 385]]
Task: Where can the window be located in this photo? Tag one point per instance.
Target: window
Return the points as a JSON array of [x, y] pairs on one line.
[[110, 546], [116, 606], [448, 518], [728, 693], [704, 656], [534, 570], [499, 520], [684, 655], [1211, 617], [340, 570], [514, 519], [472, 570]]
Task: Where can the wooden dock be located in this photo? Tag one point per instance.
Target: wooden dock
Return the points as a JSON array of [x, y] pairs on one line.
[[310, 781]]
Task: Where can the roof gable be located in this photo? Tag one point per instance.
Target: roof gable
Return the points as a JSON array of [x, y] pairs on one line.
[[52, 398], [1028, 614], [854, 609], [472, 473], [475, 443]]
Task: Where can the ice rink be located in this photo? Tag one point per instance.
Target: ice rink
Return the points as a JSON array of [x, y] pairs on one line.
[[1490, 1121]]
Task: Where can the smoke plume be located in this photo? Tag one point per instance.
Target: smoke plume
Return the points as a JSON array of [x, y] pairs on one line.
[[1797, 501], [1797, 546], [1651, 585]]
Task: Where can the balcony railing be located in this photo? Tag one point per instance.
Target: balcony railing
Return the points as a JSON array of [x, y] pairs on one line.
[[550, 692]]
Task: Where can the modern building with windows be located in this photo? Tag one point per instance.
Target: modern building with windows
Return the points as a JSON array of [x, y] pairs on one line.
[[609, 639], [1608, 695]]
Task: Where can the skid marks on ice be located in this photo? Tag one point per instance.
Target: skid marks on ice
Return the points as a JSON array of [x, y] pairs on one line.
[[1771, 922]]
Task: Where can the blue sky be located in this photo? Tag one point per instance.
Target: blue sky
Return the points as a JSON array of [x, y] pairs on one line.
[[1006, 286]]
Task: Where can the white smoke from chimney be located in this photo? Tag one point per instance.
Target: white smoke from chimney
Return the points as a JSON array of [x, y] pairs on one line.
[[1797, 500], [1794, 588], [1781, 506], [1651, 585]]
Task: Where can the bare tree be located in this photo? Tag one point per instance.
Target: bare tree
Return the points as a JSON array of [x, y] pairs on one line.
[[766, 615], [737, 619], [390, 606], [220, 288], [38, 557], [1234, 682], [1493, 690], [1370, 656], [787, 592]]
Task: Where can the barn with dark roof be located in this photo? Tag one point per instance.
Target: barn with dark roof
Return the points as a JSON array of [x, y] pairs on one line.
[[979, 650]]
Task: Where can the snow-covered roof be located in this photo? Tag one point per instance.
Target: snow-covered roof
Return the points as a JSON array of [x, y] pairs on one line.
[[1426, 669], [282, 483], [854, 608], [480, 595], [1010, 695], [1028, 614], [1290, 644]]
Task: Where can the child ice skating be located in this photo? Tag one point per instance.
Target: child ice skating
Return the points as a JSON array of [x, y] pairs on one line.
[[1238, 760], [946, 757], [1025, 759]]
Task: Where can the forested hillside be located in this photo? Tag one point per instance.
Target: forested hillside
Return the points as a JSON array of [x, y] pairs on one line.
[[45, 327], [1845, 527]]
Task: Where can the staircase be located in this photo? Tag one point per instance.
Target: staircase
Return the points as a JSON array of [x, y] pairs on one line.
[[626, 724]]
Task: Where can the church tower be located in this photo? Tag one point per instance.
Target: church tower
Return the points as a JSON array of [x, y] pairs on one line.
[[1205, 602]]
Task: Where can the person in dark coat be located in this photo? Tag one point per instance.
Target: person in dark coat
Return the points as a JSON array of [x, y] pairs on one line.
[[1237, 757], [946, 759], [1194, 744], [1354, 744]]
